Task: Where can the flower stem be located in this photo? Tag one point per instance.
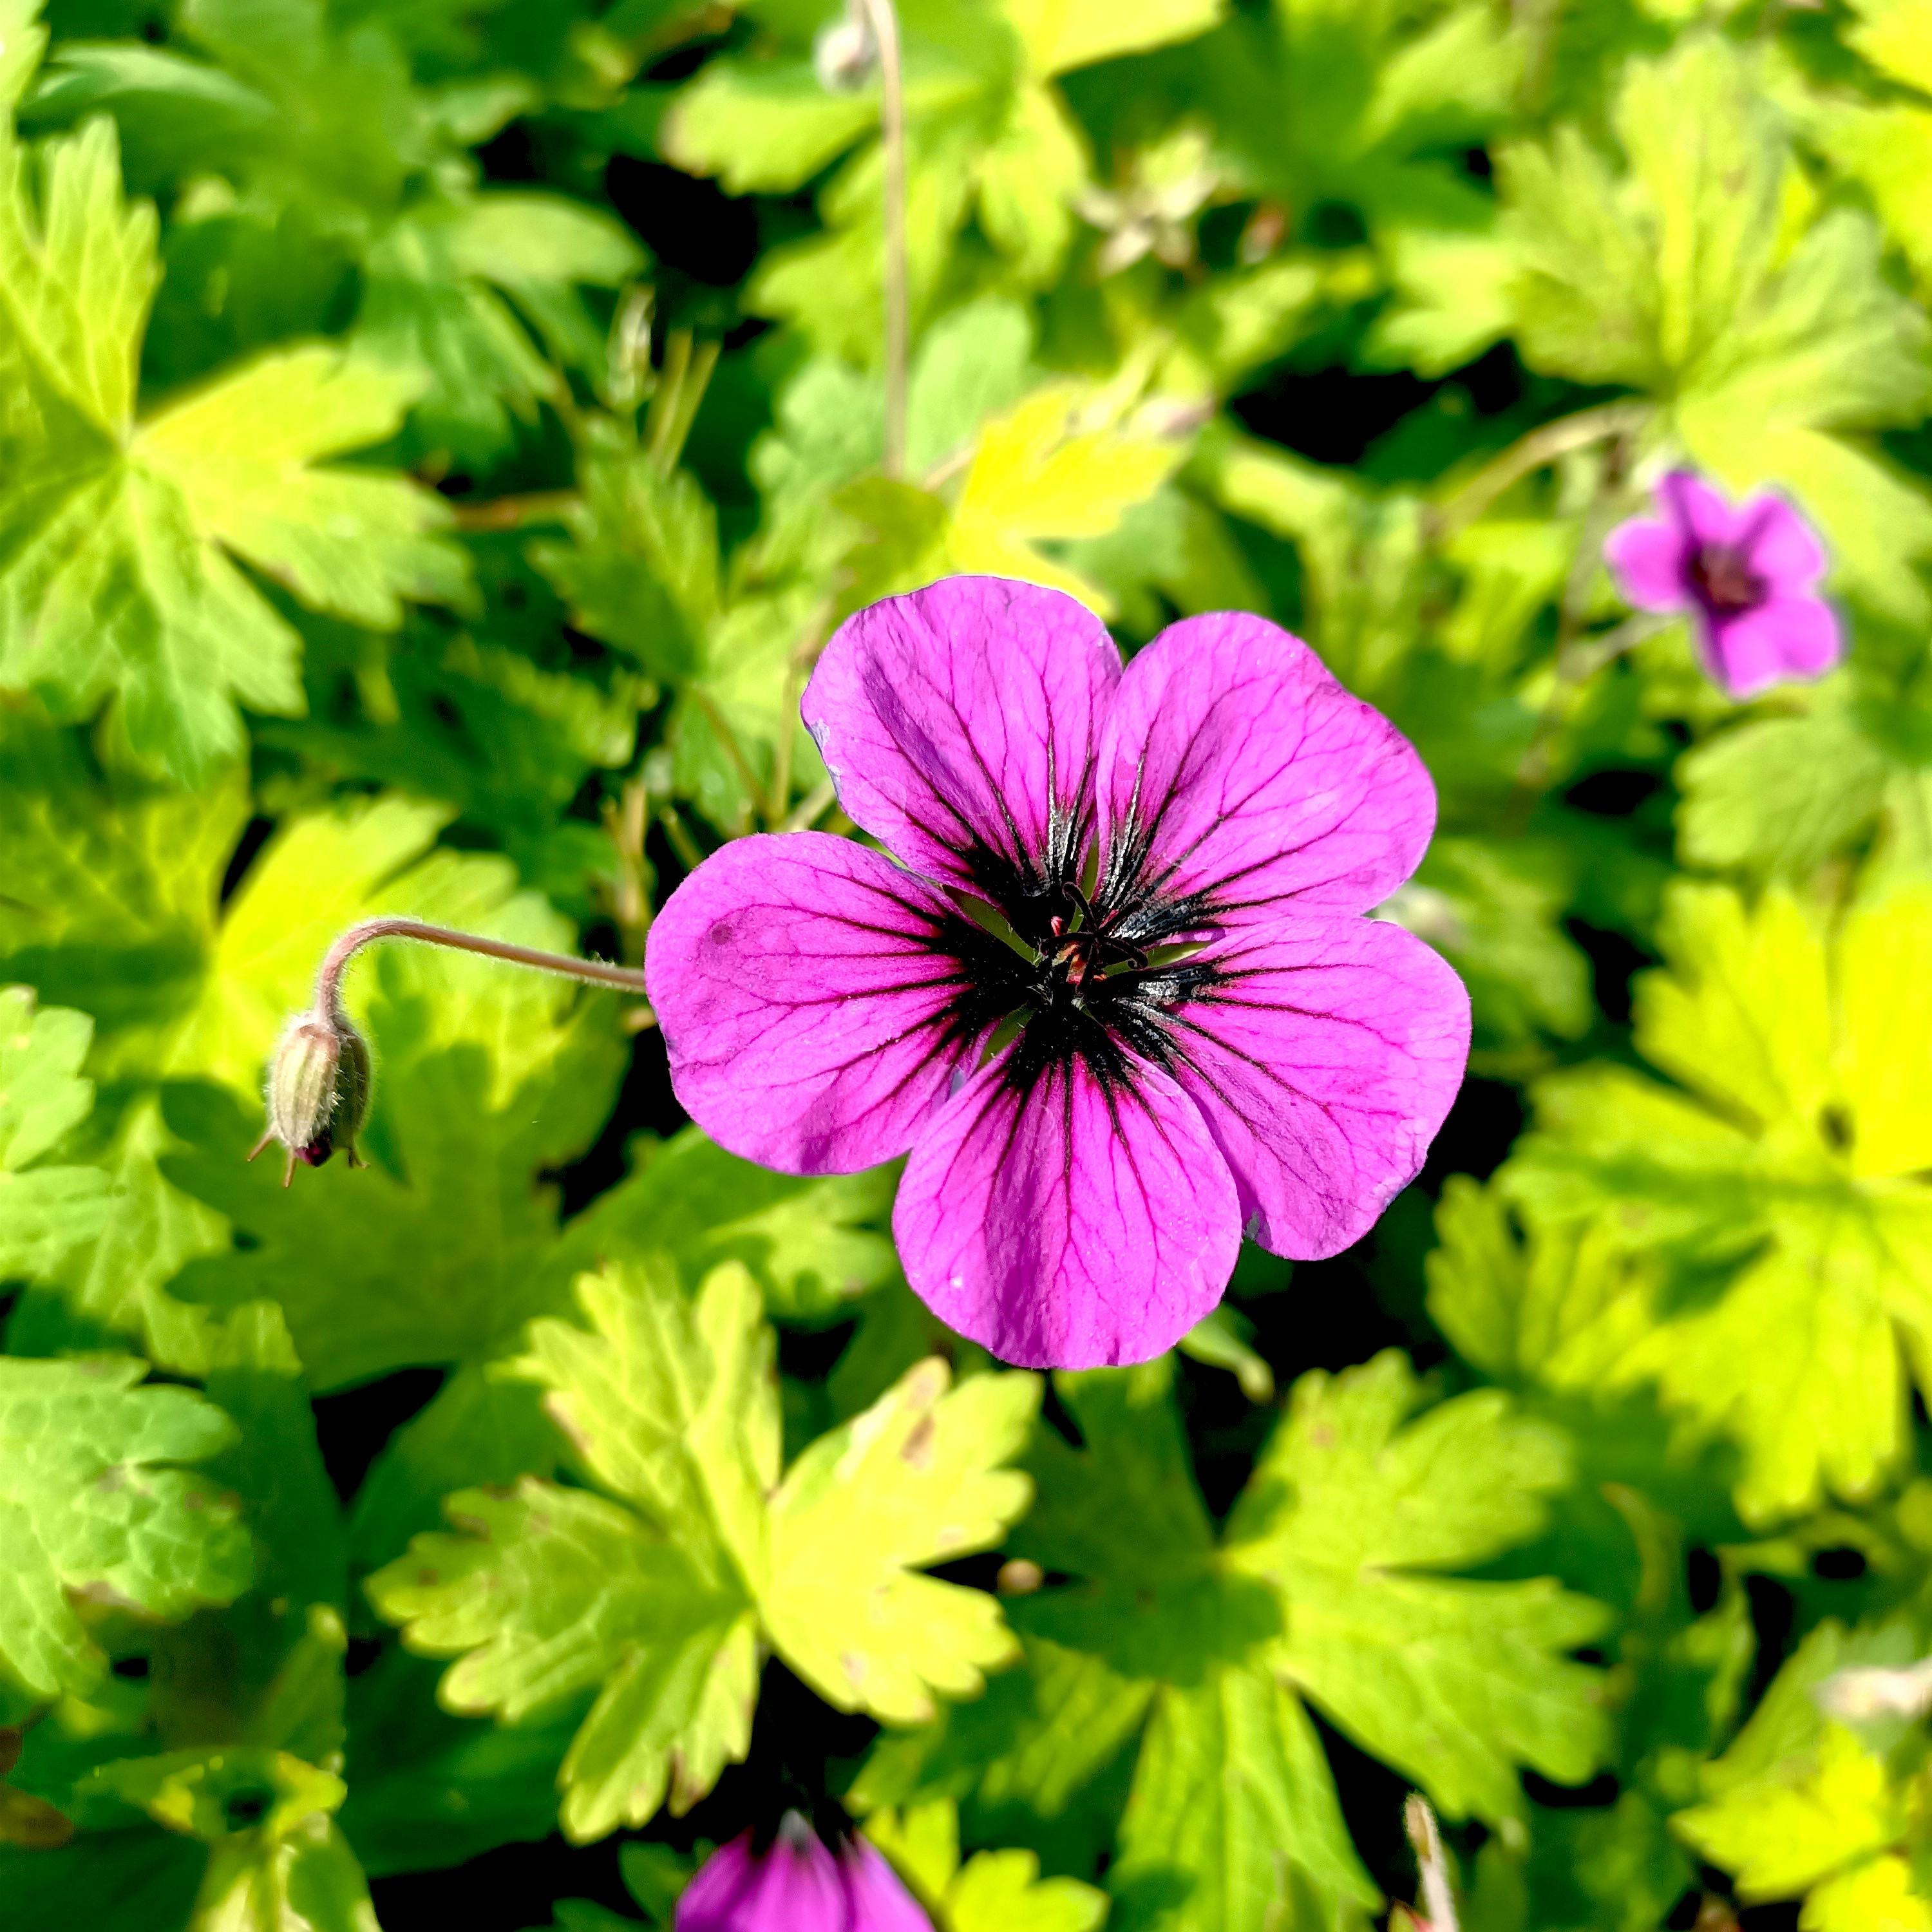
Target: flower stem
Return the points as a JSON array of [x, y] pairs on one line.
[[1531, 453], [884, 24], [329, 979], [516, 513], [1432, 1864]]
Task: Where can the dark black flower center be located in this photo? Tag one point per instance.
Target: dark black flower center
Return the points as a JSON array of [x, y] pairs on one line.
[[1723, 579], [1075, 969]]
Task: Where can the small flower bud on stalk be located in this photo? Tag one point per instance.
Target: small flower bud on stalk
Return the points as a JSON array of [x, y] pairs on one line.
[[318, 1091], [846, 54], [319, 1084]]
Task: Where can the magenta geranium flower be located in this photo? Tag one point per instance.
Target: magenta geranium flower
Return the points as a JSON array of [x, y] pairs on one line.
[[1748, 577], [797, 1885], [1143, 889]]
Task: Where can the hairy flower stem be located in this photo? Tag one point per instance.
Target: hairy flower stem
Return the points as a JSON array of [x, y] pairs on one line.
[[1610, 422], [884, 25], [1439, 1899], [592, 972]]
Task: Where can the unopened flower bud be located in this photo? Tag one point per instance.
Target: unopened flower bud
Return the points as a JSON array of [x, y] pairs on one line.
[[318, 1091], [845, 55]]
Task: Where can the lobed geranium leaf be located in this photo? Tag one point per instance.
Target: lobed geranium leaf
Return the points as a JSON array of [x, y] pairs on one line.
[[1803, 1804], [553, 1593], [1233, 1787], [1352, 1513], [116, 579], [1789, 1159], [94, 1500], [1326, 1589], [47, 1208], [669, 1401], [917, 1479], [988, 1891], [434, 309], [811, 1242], [1040, 472], [1679, 277]]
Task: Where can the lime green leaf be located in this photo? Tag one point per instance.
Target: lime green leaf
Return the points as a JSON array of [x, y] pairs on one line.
[[1028, 177], [46, 1209], [239, 451], [914, 1481], [115, 575], [1568, 1308], [670, 1403], [641, 570], [308, 1881], [766, 128], [22, 43], [1634, 279], [1781, 795], [1801, 1803], [552, 1592], [1232, 1787], [111, 888], [831, 286], [1893, 36], [116, 1283], [91, 1500], [1054, 466], [811, 1242], [1350, 1509], [433, 315], [991, 1891], [1327, 1590], [1058, 35], [1791, 1147], [1684, 277], [486, 1078]]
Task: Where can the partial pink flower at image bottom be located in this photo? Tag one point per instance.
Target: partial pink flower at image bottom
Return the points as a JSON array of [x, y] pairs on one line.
[[798, 1884], [1747, 576], [1142, 887]]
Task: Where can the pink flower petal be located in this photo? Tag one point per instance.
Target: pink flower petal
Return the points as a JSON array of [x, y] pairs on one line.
[[813, 1001], [959, 725], [1236, 773], [793, 1887], [1702, 512], [1648, 560], [1781, 547], [877, 1900], [1323, 1054], [1789, 637], [1063, 1220]]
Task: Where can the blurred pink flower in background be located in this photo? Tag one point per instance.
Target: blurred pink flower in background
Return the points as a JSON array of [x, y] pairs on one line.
[[1748, 577]]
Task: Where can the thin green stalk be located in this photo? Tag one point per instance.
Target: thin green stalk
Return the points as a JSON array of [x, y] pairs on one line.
[[1541, 447], [883, 21], [329, 978]]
